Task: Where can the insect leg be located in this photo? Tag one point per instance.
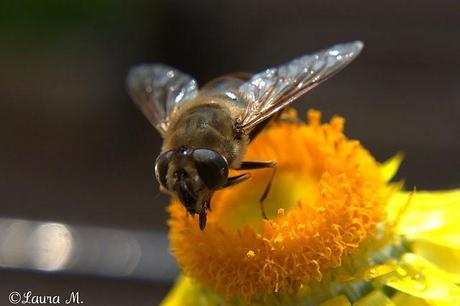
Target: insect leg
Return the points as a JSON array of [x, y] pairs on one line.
[[253, 165], [233, 180]]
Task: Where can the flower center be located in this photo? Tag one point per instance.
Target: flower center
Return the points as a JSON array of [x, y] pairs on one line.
[[326, 199], [288, 189]]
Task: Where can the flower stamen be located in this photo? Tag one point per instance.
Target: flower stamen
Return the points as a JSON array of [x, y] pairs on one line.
[[326, 200]]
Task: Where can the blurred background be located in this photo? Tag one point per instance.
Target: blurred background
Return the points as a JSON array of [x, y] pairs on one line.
[[79, 207]]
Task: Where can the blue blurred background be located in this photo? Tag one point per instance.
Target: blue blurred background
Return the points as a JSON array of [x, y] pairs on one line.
[[80, 209]]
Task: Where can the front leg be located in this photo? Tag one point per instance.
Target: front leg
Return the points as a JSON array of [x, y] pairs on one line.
[[254, 165], [233, 180]]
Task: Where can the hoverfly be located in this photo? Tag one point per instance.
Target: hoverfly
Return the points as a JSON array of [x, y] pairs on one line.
[[205, 132]]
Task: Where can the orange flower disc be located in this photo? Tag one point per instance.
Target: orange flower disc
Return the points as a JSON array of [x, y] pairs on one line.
[[326, 199]]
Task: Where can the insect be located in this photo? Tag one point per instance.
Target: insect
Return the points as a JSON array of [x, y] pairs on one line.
[[206, 132]]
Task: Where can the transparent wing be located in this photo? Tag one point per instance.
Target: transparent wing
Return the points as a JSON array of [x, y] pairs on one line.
[[227, 86], [268, 92], [159, 90]]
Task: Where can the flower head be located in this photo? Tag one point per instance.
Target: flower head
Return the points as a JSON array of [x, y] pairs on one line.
[[331, 222]]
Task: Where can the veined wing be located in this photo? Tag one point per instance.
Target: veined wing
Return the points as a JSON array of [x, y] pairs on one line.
[[227, 86], [159, 90], [273, 89]]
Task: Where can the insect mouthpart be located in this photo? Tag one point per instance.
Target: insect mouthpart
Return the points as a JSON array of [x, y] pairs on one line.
[[185, 194]]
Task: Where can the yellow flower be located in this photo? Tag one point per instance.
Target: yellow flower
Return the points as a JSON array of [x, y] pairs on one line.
[[337, 233]]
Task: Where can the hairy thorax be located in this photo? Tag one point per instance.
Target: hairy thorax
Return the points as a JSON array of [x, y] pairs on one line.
[[206, 125]]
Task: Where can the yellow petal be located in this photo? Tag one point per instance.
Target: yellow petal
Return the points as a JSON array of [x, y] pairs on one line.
[[431, 215], [340, 300], [421, 279], [431, 223], [375, 271], [402, 299], [375, 298], [391, 166], [179, 292], [444, 256], [186, 293]]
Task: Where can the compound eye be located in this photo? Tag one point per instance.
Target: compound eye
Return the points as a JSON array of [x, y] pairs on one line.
[[212, 167], [161, 167]]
